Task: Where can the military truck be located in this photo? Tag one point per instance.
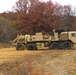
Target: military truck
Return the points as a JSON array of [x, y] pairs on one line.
[[58, 40]]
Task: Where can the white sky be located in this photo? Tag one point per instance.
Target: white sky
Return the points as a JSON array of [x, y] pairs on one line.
[[8, 4], [65, 2]]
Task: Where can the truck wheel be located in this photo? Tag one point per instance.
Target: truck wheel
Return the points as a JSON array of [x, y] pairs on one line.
[[20, 47], [31, 47], [55, 45], [66, 45]]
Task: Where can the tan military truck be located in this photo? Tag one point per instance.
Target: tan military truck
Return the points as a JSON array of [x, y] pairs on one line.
[[59, 40]]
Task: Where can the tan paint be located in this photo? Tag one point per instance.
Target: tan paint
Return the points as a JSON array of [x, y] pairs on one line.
[[71, 36]]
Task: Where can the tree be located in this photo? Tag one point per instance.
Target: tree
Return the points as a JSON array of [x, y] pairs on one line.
[[35, 16], [68, 18], [7, 32], [39, 15]]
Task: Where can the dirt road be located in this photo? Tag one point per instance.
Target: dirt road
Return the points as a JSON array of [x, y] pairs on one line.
[[50, 62]]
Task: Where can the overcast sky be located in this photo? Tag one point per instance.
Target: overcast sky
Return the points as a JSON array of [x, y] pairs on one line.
[[65, 2], [8, 4]]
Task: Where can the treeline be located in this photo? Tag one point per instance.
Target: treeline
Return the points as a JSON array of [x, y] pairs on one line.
[[30, 16]]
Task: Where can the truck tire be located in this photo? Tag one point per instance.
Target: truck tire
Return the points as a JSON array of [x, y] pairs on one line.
[[55, 45], [20, 47], [31, 47], [66, 45]]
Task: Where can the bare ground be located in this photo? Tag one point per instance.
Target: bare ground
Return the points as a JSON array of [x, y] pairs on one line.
[[40, 62]]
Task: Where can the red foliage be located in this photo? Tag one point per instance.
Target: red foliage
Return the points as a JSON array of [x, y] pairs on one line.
[[39, 17]]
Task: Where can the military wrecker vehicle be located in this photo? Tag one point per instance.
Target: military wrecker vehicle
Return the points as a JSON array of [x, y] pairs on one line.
[[59, 40]]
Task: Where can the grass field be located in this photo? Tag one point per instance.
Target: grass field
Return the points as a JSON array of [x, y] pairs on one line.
[[39, 62]]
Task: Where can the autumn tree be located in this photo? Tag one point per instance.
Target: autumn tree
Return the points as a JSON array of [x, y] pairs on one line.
[[39, 16], [25, 5], [6, 30], [35, 16], [8, 26], [67, 17]]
